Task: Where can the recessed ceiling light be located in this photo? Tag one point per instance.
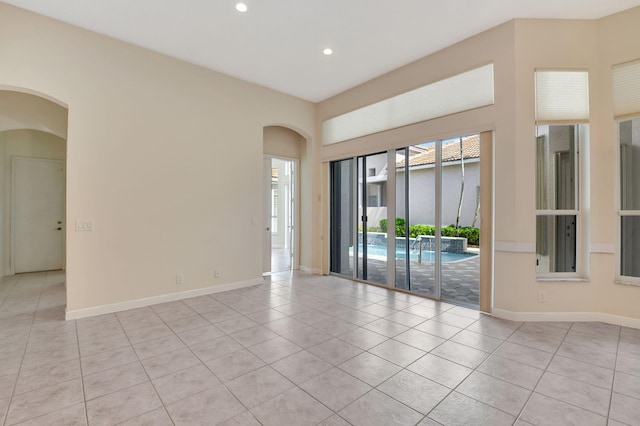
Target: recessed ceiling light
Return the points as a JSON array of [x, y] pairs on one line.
[[328, 51], [241, 7]]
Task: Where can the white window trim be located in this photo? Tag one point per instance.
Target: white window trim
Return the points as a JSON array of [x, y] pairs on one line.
[[581, 273], [619, 278]]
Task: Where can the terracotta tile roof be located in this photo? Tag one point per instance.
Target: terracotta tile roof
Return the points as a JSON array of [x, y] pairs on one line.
[[450, 152]]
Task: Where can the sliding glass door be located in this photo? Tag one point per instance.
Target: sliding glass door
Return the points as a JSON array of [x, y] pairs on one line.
[[416, 218], [359, 196]]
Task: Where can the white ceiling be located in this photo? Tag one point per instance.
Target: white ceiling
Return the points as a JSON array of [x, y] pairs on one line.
[[278, 43]]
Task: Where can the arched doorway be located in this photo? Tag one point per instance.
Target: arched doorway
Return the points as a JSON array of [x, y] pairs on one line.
[[283, 149], [33, 132]]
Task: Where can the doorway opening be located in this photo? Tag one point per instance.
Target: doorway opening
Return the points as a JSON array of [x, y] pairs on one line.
[[33, 149], [280, 188]]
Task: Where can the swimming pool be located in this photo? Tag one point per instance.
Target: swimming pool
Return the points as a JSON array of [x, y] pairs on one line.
[[427, 256]]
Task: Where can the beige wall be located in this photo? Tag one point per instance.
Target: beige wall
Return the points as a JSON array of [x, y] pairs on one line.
[[164, 157], [517, 48], [20, 143]]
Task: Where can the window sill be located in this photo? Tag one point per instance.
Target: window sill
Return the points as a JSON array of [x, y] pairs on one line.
[[562, 279], [627, 283]]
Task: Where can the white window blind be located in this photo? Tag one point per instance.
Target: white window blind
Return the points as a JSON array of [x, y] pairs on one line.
[[626, 89], [562, 96], [462, 92]]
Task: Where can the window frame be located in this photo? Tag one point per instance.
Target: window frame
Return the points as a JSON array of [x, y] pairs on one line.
[[581, 145], [620, 212]]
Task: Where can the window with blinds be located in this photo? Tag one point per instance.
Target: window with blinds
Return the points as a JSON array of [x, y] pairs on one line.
[[562, 96], [626, 89], [562, 114], [462, 92]]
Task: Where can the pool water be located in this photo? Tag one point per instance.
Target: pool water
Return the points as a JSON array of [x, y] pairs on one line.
[[427, 256]]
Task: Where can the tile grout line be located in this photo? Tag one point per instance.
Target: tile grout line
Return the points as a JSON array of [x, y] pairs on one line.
[[613, 382], [46, 274], [467, 376], [164, 407], [84, 394], [546, 370], [24, 351], [532, 391], [6, 297]]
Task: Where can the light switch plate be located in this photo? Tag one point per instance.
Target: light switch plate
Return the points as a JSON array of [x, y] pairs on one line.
[[84, 225]]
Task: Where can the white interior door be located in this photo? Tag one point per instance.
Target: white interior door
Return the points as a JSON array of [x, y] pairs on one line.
[[266, 232], [37, 214]]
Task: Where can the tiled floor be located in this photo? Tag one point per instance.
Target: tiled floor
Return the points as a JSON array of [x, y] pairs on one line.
[[305, 350], [280, 260]]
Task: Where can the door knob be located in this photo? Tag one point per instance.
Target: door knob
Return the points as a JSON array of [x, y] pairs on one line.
[[59, 229], [267, 229]]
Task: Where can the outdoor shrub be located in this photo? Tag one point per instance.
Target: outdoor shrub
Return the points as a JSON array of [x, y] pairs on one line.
[[415, 230], [471, 234], [400, 225]]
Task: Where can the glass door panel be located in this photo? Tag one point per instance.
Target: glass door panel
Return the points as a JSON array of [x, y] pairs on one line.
[[342, 214], [415, 201], [403, 249], [460, 210], [372, 208], [422, 218]]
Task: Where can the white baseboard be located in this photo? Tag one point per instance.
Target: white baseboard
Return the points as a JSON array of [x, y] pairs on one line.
[[567, 316], [154, 300]]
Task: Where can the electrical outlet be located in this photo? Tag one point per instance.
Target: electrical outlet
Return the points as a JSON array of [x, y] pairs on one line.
[[541, 297], [217, 273], [179, 279]]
